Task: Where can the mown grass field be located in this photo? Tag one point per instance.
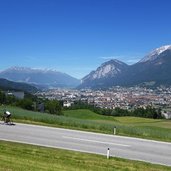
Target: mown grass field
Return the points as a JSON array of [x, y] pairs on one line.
[[21, 157], [83, 119]]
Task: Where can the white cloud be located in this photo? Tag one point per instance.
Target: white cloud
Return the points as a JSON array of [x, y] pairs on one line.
[[132, 61], [110, 57]]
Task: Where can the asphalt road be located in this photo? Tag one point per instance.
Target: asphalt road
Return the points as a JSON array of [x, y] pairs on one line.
[[124, 147]]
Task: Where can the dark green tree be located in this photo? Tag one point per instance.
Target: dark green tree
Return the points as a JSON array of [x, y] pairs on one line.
[[54, 107], [2, 98], [25, 104]]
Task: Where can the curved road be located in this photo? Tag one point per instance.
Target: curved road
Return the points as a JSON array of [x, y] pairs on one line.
[[124, 147]]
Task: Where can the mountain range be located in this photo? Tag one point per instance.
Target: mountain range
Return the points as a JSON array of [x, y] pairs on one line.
[[153, 70], [10, 85], [41, 78]]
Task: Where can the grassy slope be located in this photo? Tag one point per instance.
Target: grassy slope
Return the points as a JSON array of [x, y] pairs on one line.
[[87, 120], [20, 157], [159, 129], [87, 115]]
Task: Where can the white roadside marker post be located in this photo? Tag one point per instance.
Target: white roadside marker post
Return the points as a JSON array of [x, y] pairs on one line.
[[114, 130], [108, 153]]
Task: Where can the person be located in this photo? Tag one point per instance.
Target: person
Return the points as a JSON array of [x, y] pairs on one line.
[[7, 116]]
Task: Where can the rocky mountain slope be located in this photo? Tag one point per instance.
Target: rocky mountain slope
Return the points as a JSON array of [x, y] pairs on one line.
[[154, 69], [103, 75]]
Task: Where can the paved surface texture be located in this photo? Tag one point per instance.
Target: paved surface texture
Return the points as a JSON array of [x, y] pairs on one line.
[[124, 147]]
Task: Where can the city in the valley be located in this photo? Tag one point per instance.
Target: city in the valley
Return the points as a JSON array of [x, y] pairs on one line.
[[124, 98]]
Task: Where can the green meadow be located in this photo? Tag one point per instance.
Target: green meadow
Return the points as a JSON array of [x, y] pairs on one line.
[[83, 119], [22, 157]]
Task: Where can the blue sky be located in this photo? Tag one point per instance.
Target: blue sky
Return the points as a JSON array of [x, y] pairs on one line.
[[76, 36]]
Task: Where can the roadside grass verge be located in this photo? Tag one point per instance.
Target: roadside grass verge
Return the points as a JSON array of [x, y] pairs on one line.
[[90, 121], [22, 157]]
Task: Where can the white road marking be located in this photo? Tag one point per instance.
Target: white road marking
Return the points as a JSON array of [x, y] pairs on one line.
[[95, 141]]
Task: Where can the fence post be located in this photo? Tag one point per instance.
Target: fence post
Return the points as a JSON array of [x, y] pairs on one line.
[[108, 153], [114, 130]]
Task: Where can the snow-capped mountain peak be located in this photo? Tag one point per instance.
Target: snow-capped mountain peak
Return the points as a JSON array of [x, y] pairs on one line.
[[163, 48], [155, 53], [29, 70], [16, 68]]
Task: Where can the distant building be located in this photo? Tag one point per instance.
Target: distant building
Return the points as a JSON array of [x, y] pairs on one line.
[[16, 94], [167, 115], [67, 104]]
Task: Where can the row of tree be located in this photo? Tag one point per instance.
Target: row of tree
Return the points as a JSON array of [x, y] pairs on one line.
[[33, 103], [6, 99], [148, 112]]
